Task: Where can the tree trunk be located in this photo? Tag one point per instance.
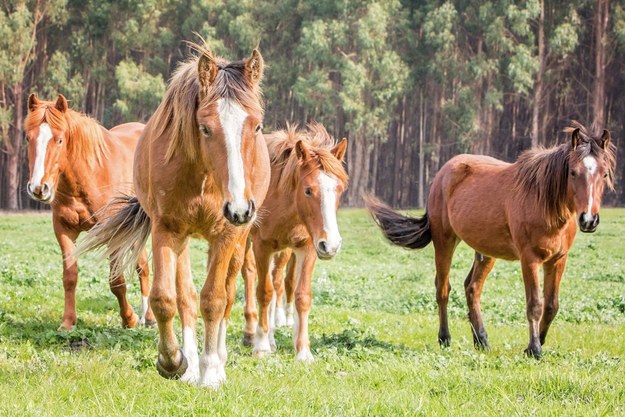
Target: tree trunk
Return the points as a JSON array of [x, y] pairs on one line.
[[15, 150], [421, 196], [598, 90], [538, 86]]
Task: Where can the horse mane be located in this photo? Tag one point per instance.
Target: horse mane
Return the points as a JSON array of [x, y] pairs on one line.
[[84, 135], [543, 174], [176, 118], [281, 144]]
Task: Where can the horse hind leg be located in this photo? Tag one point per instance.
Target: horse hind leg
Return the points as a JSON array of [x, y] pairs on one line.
[[186, 300], [118, 288], [248, 270], [473, 285], [443, 253], [143, 270], [279, 261]]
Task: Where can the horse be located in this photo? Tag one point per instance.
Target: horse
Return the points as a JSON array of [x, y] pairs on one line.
[[76, 166], [201, 169], [307, 181], [524, 211]]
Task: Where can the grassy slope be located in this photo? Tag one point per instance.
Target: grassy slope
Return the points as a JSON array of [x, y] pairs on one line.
[[373, 331]]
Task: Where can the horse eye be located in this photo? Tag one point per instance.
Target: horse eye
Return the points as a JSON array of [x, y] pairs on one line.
[[205, 130], [605, 175], [572, 173], [308, 191], [259, 128], [60, 141]]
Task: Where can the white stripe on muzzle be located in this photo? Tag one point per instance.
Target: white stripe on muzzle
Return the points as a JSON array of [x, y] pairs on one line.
[[45, 135]]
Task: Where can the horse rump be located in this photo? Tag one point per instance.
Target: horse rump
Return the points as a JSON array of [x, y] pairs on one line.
[[404, 231]]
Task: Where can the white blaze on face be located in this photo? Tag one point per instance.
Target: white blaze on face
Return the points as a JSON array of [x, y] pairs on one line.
[[591, 165], [45, 135], [232, 116], [327, 188]]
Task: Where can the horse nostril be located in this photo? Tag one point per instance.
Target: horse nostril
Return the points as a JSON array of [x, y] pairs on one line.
[[45, 188], [595, 221], [250, 210], [323, 247]]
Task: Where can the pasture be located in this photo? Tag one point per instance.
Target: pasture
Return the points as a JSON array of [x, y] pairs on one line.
[[373, 329]]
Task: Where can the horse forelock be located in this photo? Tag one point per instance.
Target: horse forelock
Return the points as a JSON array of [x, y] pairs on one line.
[[176, 117], [84, 137], [319, 142]]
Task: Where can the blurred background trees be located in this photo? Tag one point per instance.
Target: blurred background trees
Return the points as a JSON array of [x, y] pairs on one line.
[[410, 83]]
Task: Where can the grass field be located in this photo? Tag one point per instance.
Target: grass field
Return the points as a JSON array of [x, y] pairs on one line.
[[373, 333]]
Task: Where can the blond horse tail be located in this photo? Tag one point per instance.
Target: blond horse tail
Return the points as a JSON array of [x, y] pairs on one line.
[[404, 231], [120, 236]]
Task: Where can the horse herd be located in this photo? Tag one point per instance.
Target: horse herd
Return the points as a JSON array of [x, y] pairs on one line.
[[201, 166]]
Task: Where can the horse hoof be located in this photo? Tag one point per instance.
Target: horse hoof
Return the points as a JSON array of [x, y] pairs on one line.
[[533, 352], [178, 373], [131, 323], [149, 323], [444, 342], [305, 356], [248, 339], [261, 353]]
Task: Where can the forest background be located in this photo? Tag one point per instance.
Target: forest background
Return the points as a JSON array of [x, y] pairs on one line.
[[410, 83]]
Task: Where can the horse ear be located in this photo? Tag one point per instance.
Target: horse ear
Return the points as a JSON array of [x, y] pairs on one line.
[[605, 139], [301, 151], [61, 103], [254, 67], [33, 102], [575, 138], [339, 150], [206, 70]]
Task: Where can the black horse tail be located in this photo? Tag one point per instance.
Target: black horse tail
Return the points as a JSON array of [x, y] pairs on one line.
[[404, 231], [120, 236]]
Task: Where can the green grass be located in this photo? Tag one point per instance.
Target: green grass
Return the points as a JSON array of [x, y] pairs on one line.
[[373, 333]]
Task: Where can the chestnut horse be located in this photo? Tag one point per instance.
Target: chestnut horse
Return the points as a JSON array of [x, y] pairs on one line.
[[201, 168], [307, 180], [526, 210], [76, 166]]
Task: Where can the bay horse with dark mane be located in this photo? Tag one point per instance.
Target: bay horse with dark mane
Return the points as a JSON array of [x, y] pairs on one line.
[[77, 166], [307, 181], [527, 210], [201, 169]]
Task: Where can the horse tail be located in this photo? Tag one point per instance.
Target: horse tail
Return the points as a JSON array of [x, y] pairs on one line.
[[404, 231], [120, 236]]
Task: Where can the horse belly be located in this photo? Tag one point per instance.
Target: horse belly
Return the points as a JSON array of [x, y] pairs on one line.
[[479, 219]]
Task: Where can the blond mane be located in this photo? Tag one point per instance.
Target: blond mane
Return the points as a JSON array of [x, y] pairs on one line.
[[84, 135], [287, 165], [175, 118]]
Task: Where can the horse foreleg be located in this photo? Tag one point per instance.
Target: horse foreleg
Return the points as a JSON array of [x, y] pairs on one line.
[[231, 291], [66, 241], [534, 305], [443, 253], [117, 285], [143, 270], [186, 299], [264, 295], [248, 270], [279, 262], [289, 286], [166, 247], [553, 275], [213, 306], [473, 285], [305, 264]]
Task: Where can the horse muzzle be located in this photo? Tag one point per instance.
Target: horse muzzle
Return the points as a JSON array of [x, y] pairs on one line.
[[42, 192], [326, 251], [239, 216], [588, 223]]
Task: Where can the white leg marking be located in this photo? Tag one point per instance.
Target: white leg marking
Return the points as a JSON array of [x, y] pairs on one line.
[[289, 314], [189, 349], [272, 323], [232, 116], [223, 352], [300, 323], [144, 310], [261, 343], [45, 135], [280, 316], [327, 186]]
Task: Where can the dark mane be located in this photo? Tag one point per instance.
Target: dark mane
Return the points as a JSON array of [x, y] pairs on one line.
[[543, 174], [281, 146]]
